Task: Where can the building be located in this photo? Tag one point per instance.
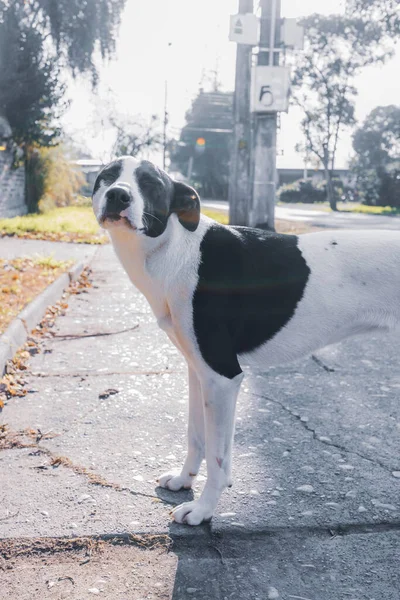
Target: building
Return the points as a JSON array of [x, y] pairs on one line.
[[12, 178]]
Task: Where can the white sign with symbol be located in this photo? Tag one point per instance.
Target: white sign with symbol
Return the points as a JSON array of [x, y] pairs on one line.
[[244, 29], [270, 89]]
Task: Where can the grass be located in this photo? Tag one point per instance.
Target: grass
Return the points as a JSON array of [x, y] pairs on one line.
[[78, 224], [369, 210], [22, 279], [291, 227], [69, 224], [217, 215]]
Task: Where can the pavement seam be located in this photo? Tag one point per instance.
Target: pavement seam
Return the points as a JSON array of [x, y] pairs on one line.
[[14, 547], [307, 427], [85, 374], [69, 337], [189, 539], [56, 461]]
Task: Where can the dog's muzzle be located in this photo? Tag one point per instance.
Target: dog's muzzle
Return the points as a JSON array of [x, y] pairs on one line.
[[118, 199]]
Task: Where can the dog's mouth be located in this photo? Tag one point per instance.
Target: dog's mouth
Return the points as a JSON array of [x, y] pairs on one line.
[[114, 219]]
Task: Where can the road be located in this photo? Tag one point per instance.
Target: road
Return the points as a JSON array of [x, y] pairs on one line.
[[321, 218]]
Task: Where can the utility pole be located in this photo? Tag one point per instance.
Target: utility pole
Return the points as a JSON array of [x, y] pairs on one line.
[[262, 209], [239, 180]]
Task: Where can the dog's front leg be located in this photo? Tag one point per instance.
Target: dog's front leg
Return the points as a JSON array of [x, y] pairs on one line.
[[219, 400], [185, 479]]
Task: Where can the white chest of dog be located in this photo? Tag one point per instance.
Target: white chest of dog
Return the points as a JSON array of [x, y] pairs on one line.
[[229, 295]]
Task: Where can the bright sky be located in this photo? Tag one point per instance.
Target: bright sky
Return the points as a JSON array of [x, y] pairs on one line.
[[198, 31]]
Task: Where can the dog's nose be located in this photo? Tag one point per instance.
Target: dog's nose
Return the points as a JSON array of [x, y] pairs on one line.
[[117, 200]]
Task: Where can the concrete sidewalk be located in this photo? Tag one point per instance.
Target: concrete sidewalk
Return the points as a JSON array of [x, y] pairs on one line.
[[13, 247], [314, 513]]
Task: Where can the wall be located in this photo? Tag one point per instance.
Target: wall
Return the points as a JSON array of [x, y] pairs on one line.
[[12, 187]]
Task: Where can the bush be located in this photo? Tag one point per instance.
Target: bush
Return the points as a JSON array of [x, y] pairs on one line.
[[63, 180], [302, 190], [51, 179], [380, 187], [306, 192]]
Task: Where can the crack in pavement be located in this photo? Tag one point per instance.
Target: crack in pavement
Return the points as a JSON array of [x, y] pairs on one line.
[[14, 439], [321, 364], [72, 336], [42, 375], [340, 447]]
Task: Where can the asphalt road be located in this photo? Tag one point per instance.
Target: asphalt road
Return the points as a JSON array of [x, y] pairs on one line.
[[318, 218]]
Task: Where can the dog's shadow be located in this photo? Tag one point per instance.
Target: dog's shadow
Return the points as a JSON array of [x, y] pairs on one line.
[[173, 498]]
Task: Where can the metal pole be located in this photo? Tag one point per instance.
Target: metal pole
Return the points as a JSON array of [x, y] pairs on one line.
[[239, 177], [262, 210]]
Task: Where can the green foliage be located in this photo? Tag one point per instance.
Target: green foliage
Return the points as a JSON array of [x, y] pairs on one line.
[[39, 39], [63, 180], [305, 191], [377, 161], [210, 117], [337, 48], [30, 92], [384, 13], [51, 179]]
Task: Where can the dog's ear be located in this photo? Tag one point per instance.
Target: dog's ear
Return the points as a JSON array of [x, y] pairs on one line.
[[186, 204]]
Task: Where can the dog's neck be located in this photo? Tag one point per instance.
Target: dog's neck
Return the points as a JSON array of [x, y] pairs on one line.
[[145, 259], [161, 267]]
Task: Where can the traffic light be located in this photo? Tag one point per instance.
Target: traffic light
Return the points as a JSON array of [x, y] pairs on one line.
[[200, 145]]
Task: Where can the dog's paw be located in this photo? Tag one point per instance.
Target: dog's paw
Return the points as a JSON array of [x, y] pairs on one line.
[[192, 513], [175, 482]]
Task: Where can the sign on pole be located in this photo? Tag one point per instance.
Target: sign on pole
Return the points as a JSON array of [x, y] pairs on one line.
[[292, 34], [270, 89], [244, 29]]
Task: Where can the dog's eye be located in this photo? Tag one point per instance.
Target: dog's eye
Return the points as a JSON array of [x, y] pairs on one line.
[[145, 181], [148, 182]]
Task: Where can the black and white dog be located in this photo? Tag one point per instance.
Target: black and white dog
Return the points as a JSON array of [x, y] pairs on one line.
[[229, 295]]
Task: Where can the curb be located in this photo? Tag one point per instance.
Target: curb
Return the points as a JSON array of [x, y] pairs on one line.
[[18, 331]]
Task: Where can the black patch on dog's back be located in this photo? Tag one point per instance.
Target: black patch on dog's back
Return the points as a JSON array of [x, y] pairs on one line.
[[250, 282], [109, 174]]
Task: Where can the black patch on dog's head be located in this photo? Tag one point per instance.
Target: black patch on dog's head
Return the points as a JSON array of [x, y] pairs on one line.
[[109, 174], [162, 196]]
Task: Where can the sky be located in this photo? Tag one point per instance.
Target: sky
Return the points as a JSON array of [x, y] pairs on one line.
[[182, 42]]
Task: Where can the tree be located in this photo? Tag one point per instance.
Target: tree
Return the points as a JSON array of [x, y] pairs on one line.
[[30, 91], [385, 13], [203, 150], [377, 160], [337, 48], [134, 137], [38, 40]]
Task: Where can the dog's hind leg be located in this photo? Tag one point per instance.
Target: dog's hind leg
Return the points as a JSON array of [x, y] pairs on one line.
[[219, 398], [196, 444]]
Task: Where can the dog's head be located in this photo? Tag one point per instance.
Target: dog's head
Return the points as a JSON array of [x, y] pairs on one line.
[[140, 196]]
